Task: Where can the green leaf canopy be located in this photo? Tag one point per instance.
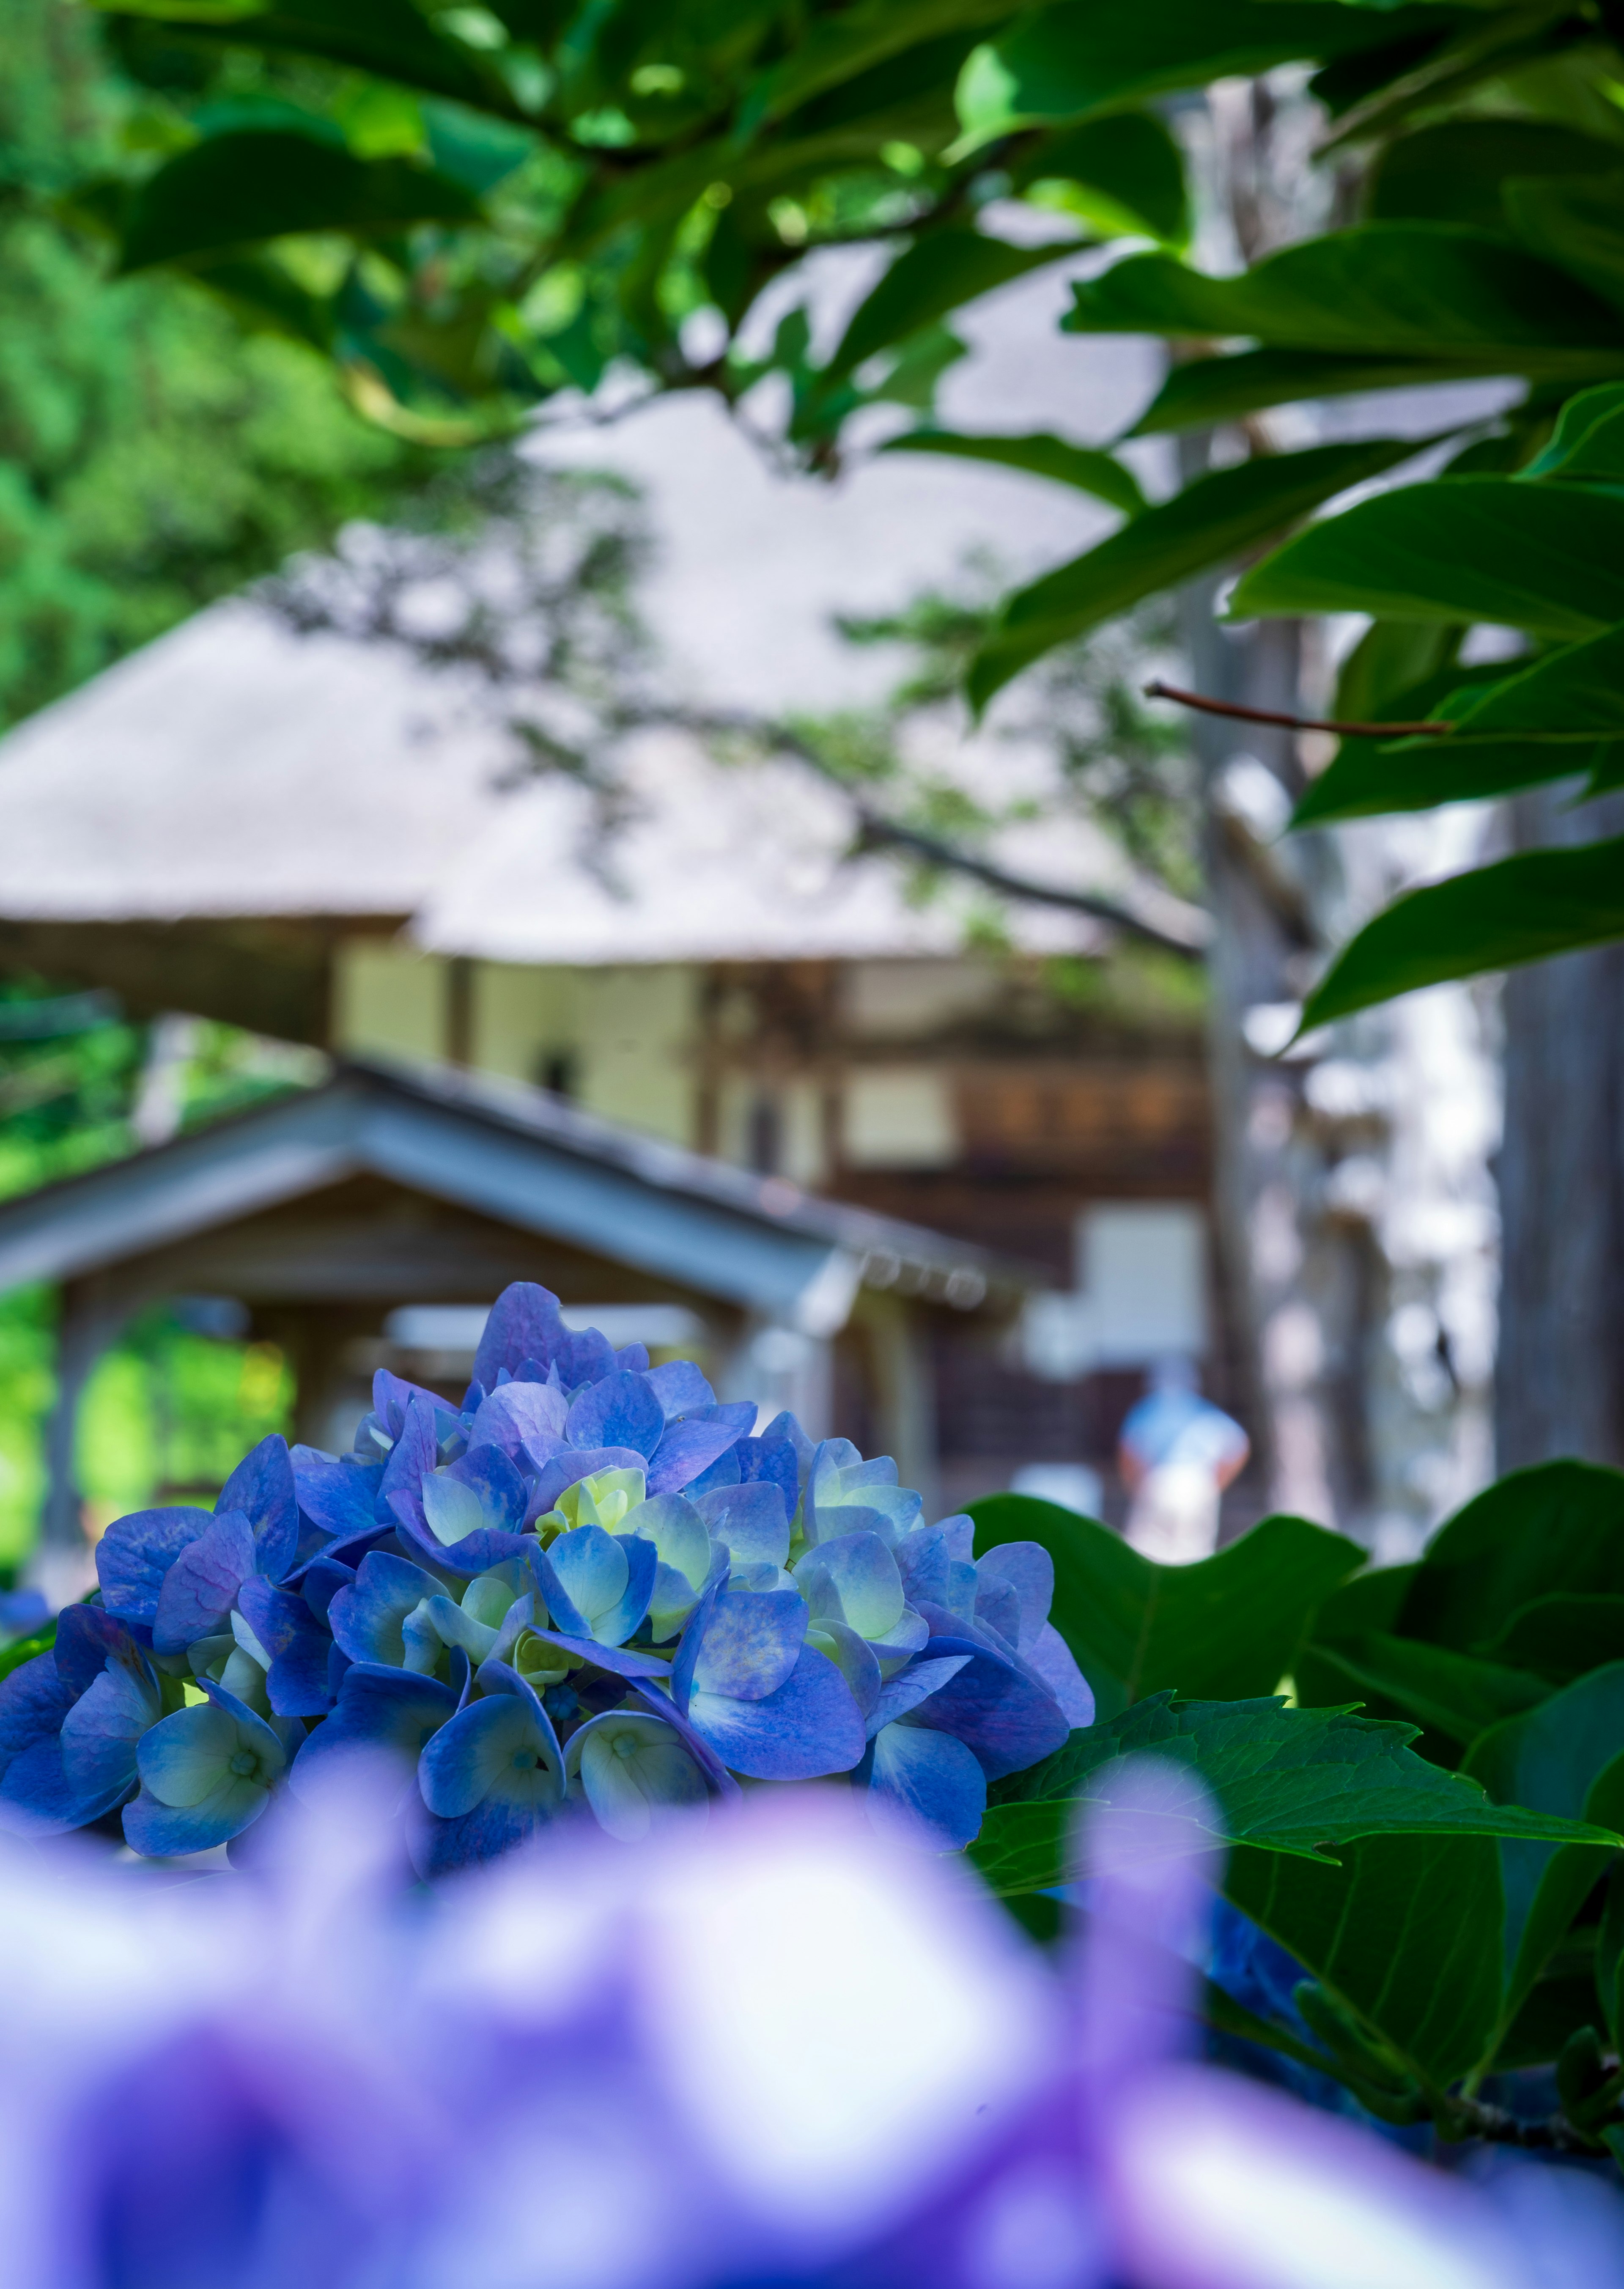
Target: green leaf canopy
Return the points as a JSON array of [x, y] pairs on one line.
[[1211, 519], [233, 190], [1548, 558], [1523, 909], [1084, 467]]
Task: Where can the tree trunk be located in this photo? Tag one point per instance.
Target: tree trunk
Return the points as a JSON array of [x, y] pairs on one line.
[[1559, 1379]]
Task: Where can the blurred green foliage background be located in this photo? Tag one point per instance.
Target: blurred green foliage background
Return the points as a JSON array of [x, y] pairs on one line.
[[152, 458]]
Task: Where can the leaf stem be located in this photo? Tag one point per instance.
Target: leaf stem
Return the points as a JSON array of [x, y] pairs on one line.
[[1157, 689]]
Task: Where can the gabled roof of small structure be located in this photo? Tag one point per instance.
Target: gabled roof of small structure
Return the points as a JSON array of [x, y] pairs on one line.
[[518, 1156]]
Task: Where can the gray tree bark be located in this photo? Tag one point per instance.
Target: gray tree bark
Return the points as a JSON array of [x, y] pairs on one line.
[[1559, 1376]]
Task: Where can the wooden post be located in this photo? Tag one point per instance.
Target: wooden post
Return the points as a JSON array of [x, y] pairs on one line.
[[903, 1398], [92, 1317]]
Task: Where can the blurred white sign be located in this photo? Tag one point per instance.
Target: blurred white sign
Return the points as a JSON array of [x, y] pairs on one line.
[[1141, 1293]]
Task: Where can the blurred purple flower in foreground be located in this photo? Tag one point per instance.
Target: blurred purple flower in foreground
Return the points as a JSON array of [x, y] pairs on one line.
[[769, 2050]]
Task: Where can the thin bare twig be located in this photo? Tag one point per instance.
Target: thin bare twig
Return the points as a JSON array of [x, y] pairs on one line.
[[1157, 689]]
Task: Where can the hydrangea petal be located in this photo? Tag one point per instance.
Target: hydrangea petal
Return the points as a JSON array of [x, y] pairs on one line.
[[750, 1644], [135, 1552], [412, 1456], [633, 1771], [853, 1578], [680, 1388], [751, 1518], [1055, 1664], [201, 1587], [1030, 1571], [933, 1779], [923, 1561], [366, 1616], [162, 1831], [657, 1698], [377, 1708], [33, 1700], [518, 1414], [900, 1696], [809, 1727], [182, 1759], [691, 1446], [678, 1532], [524, 1323], [997, 1709], [340, 1498], [622, 1410], [37, 1798], [296, 1676], [322, 1578], [909, 1634], [503, 1744], [614, 1661], [590, 1567], [999, 1607], [562, 1471], [854, 1657], [102, 1731], [86, 1637], [498, 1824], [454, 1627], [261, 1487]]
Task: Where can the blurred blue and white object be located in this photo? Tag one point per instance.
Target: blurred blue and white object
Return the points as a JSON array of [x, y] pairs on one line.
[[765, 2048]]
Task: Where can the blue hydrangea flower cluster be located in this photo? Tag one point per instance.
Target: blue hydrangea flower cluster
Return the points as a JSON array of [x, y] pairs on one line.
[[590, 1589]]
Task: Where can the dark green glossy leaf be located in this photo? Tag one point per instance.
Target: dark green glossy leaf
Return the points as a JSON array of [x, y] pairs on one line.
[[1548, 558], [389, 37], [1579, 224], [266, 297], [1524, 909], [1093, 55], [1368, 777], [1202, 390], [1454, 1694], [1040, 456], [1555, 1527], [1226, 1627], [1576, 694], [233, 190], [1407, 1933], [1393, 663], [1211, 521], [1567, 1755], [1294, 1780], [1553, 2009], [1609, 1970], [940, 272], [1587, 442], [1426, 291], [1455, 171], [1128, 166], [837, 47], [1562, 1634]]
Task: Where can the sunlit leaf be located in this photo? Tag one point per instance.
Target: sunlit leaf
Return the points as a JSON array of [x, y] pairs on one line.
[[1084, 467], [1548, 558], [1524, 909], [1211, 521]]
